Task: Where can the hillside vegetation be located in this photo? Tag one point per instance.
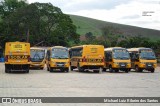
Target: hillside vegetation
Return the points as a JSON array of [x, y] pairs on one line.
[[85, 25]]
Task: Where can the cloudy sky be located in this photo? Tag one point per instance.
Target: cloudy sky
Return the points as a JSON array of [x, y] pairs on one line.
[[142, 13]]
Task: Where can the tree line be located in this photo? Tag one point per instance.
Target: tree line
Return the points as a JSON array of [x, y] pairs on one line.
[[45, 24], [35, 23], [113, 37]]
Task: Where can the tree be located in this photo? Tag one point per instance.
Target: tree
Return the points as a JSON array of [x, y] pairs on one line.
[[39, 22], [8, 7], [124, 43], [110, 35], [89, 37]]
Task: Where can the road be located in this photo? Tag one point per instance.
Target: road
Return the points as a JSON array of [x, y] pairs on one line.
[[41, 83]]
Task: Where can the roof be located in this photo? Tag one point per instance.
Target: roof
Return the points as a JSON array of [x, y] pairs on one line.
[[111, 48], [137, 49], [58, 47], [38, 48], [17, 42], [85, 46]]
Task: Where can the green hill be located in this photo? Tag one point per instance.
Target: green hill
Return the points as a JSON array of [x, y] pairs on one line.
[[85, 25]]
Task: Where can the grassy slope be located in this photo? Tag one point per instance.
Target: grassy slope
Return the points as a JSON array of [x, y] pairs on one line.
[[85, 25]]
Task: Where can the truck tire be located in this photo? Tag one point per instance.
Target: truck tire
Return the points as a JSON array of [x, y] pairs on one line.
[[7, 69], [47, 68], [116, 70], [42, 68], [71, 68], [126, 70], [138, 69], [27, 71], [104, 69], [51, 69], [68, 69], [80, 69], [111, 69], [152, 70], [62, 70]]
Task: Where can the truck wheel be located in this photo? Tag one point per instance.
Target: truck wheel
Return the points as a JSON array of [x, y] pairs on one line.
[[62, 70], [80, 69], [72, 68], [116, 70], [51, 69], [6, 70], [104, 69], [152, 71], [47, 68], [126, 70], [129, 69], [110, 69], [68, 69], [42, 68], [95, 71], [138, 69], [27, 71]]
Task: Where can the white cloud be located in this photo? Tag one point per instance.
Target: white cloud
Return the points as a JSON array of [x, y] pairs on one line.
[[120, 11]]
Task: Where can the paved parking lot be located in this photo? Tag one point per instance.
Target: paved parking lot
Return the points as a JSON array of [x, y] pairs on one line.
[[41, 83]]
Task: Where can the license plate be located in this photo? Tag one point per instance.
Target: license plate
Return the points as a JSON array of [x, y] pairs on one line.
[[122, 65], [17, 57], [36, 64], [60, 64], [149, 65]]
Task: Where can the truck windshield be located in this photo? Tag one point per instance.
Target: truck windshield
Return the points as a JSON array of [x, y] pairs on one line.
[[60, 53], [121, 54], [147, 54], [37, 55]]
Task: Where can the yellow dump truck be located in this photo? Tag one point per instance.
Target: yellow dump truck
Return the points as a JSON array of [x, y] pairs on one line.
[[17, 56]]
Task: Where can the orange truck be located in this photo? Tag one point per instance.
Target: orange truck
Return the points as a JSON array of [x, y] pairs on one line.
[[17, 56]]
